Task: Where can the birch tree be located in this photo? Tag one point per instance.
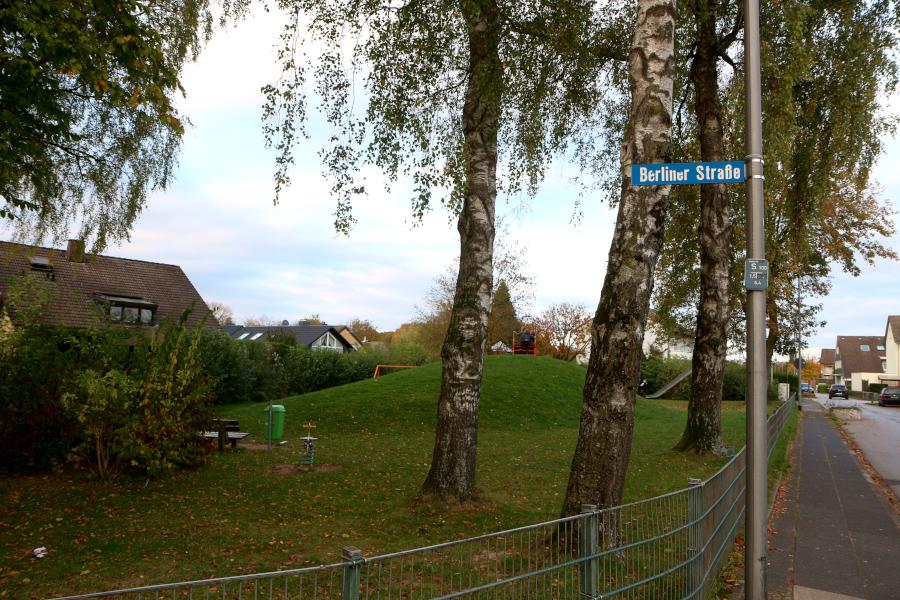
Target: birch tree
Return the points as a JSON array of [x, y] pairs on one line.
[[454, 91], [607, 416]]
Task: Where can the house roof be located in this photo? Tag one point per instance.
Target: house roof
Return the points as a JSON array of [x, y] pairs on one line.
[[893, 323], [304, 335], [827, 357], [77, 289], [854, 359]]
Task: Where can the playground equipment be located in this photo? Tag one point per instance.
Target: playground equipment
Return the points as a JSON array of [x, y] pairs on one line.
[[379, 369], [668, 386], [523, 342], [309, 445]]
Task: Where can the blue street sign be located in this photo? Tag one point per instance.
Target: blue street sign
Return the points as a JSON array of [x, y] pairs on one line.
[[688, 173]]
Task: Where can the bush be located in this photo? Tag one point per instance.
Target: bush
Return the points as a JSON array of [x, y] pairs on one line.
[[658, 371], [310, 370], [227, 364], [146, 420], [877, 387], [822, 388], [38, 364]]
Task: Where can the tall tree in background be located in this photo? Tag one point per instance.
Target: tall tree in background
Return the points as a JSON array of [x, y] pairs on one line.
[[563, 331], [453, 87], [703, 431], [89, 127], [607, 416], [503, 320], [826, 73]]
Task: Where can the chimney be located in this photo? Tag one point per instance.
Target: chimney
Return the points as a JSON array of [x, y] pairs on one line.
[[75, 251]]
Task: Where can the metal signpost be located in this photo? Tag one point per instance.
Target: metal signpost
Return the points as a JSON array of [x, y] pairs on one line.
[[756, 280], [755, 524]]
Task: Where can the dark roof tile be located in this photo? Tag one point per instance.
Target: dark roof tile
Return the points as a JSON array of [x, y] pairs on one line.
[[77, 286]]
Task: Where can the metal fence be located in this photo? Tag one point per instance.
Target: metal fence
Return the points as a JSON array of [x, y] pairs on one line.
[[668, 547]]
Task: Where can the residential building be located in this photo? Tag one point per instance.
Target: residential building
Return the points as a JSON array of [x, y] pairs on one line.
[[315, 337], [826, 366], [94, 291], [858, 361], [891, 360]]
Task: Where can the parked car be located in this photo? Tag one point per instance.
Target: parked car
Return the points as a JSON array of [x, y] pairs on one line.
[[805, 388], [838, 390], [889, 395]]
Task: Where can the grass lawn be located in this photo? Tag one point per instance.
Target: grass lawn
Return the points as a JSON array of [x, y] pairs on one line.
[[252, 510]]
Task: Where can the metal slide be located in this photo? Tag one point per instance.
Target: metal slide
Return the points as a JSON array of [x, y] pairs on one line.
[[668, 386]]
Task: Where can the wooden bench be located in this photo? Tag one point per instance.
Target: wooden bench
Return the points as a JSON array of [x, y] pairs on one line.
[[225, 429]]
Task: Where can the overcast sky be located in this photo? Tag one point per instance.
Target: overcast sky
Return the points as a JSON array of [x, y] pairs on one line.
[[218, 221]]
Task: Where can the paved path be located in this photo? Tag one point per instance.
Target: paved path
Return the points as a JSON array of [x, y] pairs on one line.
[[834, 535], [876, 432]]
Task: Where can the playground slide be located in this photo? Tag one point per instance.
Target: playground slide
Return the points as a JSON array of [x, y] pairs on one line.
[[669, 385]]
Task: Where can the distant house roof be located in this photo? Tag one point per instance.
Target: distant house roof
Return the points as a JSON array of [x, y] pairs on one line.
[[349, 336], [827, 357], [893, 323], [81, 284], [305, 335], [859, 354]]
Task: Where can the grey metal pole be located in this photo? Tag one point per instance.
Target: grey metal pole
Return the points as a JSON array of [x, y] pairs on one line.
[[799, 350], [755, 527]]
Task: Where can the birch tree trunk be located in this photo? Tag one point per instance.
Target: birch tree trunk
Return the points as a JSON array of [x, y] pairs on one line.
[[703, 431], [452, 473], [607, 416]]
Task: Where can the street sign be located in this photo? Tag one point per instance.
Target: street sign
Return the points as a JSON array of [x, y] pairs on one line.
[[756, 274], [688, 173]]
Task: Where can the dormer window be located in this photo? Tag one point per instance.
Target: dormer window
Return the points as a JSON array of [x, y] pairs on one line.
[[130, 311]]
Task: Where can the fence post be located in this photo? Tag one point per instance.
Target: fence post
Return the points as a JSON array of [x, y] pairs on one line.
[[695, 536], [587, 546], [350, 577]]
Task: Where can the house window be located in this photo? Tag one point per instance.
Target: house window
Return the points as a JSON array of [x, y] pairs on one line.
[[328, 342], [130, 314], [243, 335], [864, 347], [879, 347], [256, 336]]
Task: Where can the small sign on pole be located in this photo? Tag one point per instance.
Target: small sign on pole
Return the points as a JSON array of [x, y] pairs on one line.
[[732, 171], [756, 274]]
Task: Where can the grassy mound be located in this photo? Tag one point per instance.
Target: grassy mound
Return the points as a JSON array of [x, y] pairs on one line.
[[252, 510]]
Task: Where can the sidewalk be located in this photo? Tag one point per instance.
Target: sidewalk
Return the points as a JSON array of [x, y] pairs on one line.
[[833, 535]]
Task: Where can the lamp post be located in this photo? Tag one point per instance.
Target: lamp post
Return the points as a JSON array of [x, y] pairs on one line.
[[755, 526]]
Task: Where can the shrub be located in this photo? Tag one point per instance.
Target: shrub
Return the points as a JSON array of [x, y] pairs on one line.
[[228, 366], [37, 365], [658, 371], [145, 420], [822, 388], [877, 387]]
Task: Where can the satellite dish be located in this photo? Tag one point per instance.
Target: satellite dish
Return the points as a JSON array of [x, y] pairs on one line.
[[285, 323]]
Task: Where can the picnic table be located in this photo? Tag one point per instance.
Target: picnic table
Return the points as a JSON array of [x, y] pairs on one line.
[[225, 429]]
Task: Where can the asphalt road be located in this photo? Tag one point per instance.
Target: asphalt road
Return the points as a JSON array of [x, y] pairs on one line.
[[877, 432]]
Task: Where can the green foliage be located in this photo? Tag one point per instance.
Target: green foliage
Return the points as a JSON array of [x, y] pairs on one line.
[[789, 378], [308, 370], [876, 387], [502, 320], [411, 62], [658, 371], [822, 388], [37, 366], [86, 99], [146, 420], [103, 408]]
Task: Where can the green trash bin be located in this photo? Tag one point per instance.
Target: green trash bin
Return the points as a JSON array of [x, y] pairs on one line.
[[277, 421]]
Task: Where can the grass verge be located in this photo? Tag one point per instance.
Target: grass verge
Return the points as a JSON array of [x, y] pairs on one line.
[[253, 510]]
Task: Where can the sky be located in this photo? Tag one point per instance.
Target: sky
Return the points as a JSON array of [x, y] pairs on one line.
[[218, 222]]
